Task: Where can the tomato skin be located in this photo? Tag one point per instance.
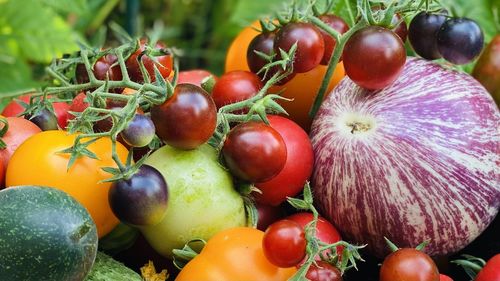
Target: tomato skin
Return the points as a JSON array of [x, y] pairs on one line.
[[102, 70], [37, 162], [264, 43], [310, 44], [187, 119], [236, 54], [235, 86], [19, 130], [298, 166], [487, 68], [234, 254], [401, 29], [78, 104], [284, 243], [408, 264], [194, 76], [13, 109], [267, 215], [163, 63], [325, 231], [443, 277], [254, 152], [491, 271], [339, 25], [323, 272], [374, 57]]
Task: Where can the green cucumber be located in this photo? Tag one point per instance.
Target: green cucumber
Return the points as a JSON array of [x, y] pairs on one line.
[[45, 235]]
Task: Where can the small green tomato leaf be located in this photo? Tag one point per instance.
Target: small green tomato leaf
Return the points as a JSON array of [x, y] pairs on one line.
[[391, 245]]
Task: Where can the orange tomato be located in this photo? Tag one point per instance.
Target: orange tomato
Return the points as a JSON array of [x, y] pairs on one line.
[[234, 254], [302, 88], [38, 161], [236, 57]]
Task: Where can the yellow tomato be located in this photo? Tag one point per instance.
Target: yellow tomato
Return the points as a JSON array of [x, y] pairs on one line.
[[234, 254], [236, 57], [38, 161]]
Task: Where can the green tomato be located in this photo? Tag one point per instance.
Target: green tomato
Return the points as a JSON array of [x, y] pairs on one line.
[[202, 199]]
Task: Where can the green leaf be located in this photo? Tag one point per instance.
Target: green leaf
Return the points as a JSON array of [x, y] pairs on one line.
[[15, 78], [67, 6], [34, 31]]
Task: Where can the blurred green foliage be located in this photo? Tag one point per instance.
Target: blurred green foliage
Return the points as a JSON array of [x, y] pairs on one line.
[[32, 32]]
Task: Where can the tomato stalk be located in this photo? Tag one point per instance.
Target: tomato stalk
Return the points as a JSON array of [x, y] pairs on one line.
[[315, 247], [3, 131]]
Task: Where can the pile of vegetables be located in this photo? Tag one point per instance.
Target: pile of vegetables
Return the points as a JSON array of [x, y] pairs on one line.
[[241, 177]]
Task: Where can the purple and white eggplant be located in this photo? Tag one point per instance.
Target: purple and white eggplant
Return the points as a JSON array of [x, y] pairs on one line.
[[418, 160]]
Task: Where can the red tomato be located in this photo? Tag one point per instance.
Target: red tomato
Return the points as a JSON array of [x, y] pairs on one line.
[[60, 109], [284, 243], [339, 25], [254, 152], [374, 57], [325, 231], [443, 277], [78, 104], [235, 86], [194, 76], [163, 63], [409, 264], [267, 215], [298, 166], [323, 272], [19, 130], [491, 271]]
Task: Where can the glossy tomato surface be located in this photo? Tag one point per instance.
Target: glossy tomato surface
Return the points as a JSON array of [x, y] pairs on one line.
[[491, 271], [374, 57], [187, 119], [254, 151], [408, 265], [323, 271], [19, 130], [38, 161], [163, 63], [298, 166], [235, 86], [339, 25], [194, 76], [284, 243]]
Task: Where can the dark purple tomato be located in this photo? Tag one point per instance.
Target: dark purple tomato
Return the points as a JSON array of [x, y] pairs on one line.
[[401, 29], [339, 25], [186, 120], [139, 132], [264, 43], [44, 119], [374, 57], [310, 44], [141, 199], [422, 34], [254, 151], [235, 86], [267, 215], [460, 40], [163, 63], [102, 69], [323, 271]]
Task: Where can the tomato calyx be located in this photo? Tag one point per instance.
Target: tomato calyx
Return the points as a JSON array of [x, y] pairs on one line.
[[472, 265], [3, 131], [187, 253], [315, 247]]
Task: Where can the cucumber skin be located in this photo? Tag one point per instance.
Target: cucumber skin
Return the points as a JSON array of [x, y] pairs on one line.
[[40, 237]]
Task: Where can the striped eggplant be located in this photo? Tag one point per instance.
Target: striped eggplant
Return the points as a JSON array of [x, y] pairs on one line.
[[418, 160]]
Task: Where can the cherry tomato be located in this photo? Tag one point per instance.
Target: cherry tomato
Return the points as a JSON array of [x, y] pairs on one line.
[[186, 120], [374, 57], [325, 231], [102, 70], [44, 119], [141, 199], [422, 34], [284, 243], [487, 68], [60, 109], [139, 132], [194, 77], [303, 97], [38, 161], [298, 166], [232, 255], [339, 25], [163, 63], [408, 264], [460, 40], [267, 215], [235, 86], [78, 105], [491, 271], [254, 151], [443, 277], [310, 44], [401, 29], [19, 130], [236, 54], [323, 271]]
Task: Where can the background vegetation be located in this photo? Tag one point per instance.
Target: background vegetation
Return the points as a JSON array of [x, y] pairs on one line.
[[32, 32]]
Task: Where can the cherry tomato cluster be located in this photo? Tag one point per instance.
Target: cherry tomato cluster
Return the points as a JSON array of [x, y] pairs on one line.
[[436, 35]]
